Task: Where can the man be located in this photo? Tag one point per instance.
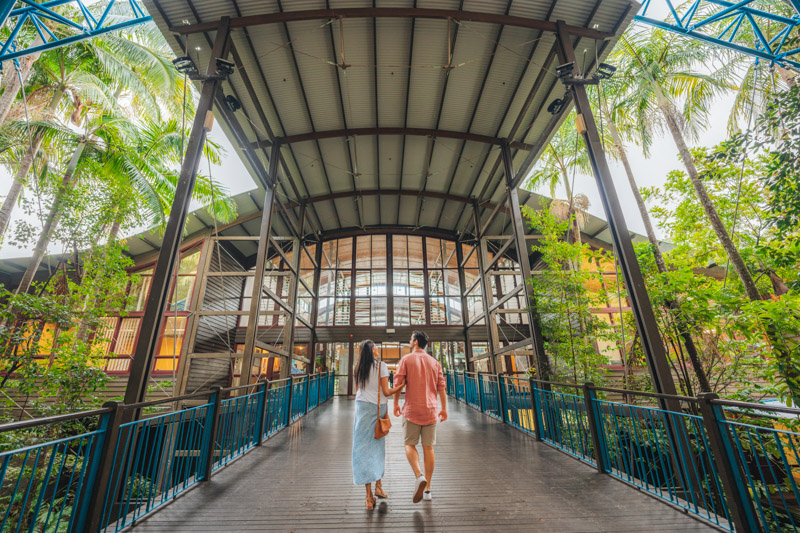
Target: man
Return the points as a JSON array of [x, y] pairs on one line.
[[423, 378]]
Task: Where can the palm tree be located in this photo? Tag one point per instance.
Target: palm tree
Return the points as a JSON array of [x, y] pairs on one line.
[[140, 159], [615, 114], [659, 70], [99, 72]]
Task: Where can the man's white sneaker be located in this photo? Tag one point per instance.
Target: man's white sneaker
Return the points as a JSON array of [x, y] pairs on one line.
[[427, 496], [421, 483]]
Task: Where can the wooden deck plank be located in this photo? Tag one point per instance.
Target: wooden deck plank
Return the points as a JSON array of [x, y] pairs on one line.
[[488, 477]]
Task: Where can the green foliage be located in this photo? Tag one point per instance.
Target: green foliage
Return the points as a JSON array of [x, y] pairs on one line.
[[729, 328], [564, 301], [778, 134]]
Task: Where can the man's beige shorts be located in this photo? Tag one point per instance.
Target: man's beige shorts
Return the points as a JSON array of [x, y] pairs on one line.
[[412, 433]]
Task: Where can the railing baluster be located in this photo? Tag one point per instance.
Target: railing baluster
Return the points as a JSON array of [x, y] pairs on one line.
[[736, 492]]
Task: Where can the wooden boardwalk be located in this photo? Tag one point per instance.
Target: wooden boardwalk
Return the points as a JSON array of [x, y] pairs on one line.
[[488, 477]]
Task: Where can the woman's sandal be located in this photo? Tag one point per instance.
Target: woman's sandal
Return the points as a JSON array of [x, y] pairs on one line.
[[370, 504], [379, 492]]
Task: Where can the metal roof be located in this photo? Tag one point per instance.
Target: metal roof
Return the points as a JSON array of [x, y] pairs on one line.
[[391, 113]]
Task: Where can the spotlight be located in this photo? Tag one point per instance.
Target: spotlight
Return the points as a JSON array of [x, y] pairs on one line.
[[184, 65], [224, 67], [556, 106], [565, 70], [605, 71], [232, 103]]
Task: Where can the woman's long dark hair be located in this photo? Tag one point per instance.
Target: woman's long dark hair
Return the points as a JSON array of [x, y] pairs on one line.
[[366, 360]]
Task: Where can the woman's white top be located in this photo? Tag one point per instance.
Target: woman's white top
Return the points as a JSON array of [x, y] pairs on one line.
[[369, 392]]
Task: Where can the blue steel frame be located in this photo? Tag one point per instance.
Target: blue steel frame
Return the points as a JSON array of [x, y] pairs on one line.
[[85, 26], [106, 475], [742, 472], [720, 22]]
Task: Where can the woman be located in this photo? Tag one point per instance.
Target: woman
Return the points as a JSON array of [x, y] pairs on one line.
[[368, 452]]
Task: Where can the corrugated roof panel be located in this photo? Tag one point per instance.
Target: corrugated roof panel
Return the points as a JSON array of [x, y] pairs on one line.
[[408, 211], [472, 55], [427, 74], [389, 205], [347, 211], [313, 52], [309, 166], [508, 65], [392, 70], [443, 163], [391, 160], [357, 79], [335, 156], [416, 149], [364, 154]]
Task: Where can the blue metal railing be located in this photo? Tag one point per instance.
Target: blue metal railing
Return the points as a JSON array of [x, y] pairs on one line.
[[104, 470], [490, 396], [733, 464], [564, 423], [517, 399], [471, 392]]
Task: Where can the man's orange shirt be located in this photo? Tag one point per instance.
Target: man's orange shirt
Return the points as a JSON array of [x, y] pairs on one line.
[[423, 377]]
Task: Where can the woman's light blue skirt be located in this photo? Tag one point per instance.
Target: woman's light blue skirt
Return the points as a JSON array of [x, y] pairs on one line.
[[369, 453]]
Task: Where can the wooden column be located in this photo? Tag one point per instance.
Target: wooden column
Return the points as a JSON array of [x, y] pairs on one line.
[[291, 316], [464, 313]]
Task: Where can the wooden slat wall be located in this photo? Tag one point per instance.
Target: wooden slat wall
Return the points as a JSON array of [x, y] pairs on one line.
[[217, 334]]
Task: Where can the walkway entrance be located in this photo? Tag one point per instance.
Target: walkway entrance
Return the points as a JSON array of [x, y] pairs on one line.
[[488, 477]]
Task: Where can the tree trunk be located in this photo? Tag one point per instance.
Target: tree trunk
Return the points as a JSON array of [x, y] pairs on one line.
[[11, 80], [786, 366], [53, 219], [25, 165], [708, 207], [674, 305]]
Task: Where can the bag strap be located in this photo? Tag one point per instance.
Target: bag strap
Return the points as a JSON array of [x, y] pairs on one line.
[[379, 386]]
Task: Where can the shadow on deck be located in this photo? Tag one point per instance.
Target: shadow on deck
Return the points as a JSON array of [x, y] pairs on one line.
[[488, 477]]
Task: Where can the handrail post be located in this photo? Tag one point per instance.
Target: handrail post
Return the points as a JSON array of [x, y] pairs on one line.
[[736, 493], [212, 427], [592, 414], [501, 397], [308, 392], [319, 386], [480, 391], [91, 513], [291, 394], [263, 409], [537, 409]]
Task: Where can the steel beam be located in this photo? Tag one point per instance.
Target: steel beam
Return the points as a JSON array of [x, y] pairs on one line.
[[652, 343], [415, 132], [289, 328], [41, 17], [261, 259], [158, 297], [520, 242], [390, 12], [464, 313], [491, 328]]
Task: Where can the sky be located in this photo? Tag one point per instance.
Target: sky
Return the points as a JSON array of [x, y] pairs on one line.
[[648, 172]]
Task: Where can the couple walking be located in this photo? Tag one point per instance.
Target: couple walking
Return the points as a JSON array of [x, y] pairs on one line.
[[423, 379]]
